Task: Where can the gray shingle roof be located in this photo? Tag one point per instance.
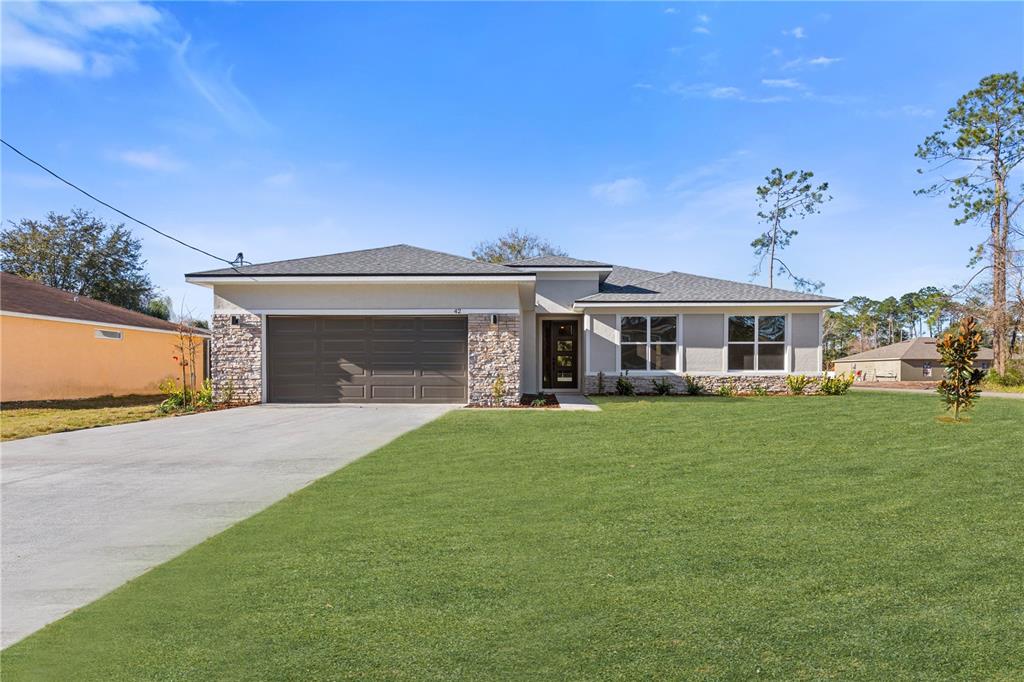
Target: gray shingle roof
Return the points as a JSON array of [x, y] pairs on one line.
[[556, 262], [400, 259], [622, 276], [921, 348], [680, 287]]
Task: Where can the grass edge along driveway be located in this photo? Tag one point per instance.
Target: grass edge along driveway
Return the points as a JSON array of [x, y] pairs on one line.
[[790, 538]]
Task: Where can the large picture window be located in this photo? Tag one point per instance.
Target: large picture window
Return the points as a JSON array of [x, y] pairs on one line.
[[757, 343], [648, 342]]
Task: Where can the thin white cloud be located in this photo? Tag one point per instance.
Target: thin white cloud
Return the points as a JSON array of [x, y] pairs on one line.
[[704, 30], [620, 192], [723, 92], [73, 38], [148, 159], [215, 84], [671, 10], [712, 170], [797, 32], [916, 111], [282, 179], [803, 62], [702, 24], [788, 83], [703, 18], [643, 86]]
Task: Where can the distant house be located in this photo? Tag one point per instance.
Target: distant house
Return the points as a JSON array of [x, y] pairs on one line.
[[913, 360], [55, 345]]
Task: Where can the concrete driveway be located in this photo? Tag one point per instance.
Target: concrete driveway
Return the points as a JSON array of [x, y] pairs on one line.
[[84, 512]]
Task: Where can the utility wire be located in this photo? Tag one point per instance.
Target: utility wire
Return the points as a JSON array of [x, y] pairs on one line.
[[114, 208]]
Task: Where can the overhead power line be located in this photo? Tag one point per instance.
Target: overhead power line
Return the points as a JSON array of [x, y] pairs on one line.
[[67, 182]]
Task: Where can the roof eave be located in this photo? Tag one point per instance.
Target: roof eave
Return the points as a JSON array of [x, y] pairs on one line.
[[583, 303], [241, 278]]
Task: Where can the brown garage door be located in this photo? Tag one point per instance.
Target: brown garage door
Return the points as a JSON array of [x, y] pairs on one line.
[[366, 359]]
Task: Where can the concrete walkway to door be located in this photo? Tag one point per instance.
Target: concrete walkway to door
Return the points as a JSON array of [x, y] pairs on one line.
[[83, 512]]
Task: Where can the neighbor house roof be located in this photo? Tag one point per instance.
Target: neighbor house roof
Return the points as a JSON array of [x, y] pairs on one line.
[[680, 287], [921, 348], [20, 295], [397, 260], [556, 262]]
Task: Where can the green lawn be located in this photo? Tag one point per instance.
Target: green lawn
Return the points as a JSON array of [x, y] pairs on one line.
[[36, 418], [852, 537]]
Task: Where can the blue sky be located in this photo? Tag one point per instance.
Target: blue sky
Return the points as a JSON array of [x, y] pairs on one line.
[[630, 133]]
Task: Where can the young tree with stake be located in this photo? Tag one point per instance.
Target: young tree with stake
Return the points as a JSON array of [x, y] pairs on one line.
[[959, 388], [785, 196]]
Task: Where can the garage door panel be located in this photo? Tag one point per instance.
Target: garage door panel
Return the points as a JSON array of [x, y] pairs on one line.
[[294, 345], [362, 359], [294, 325], [343, 324]]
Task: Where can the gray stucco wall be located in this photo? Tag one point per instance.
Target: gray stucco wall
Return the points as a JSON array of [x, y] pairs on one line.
[[528, 348], [804, 328], [602, 343], [557, 294], [703, 336]]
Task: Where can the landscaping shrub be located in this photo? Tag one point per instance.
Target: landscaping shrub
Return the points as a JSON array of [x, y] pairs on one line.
[[837, 385], [760, 390], [498, 389], [727, 389], [662, 386], [692, 385], [1013, 376], [623, 386], [797, 383], [179, 398]]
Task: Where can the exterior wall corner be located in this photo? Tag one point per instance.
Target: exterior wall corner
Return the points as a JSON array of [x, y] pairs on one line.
[[495, 353], [236, 358]]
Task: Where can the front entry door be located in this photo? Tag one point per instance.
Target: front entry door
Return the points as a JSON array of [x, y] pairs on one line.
[[561, 354]]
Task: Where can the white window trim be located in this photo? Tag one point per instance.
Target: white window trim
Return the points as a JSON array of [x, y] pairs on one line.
[[648, 372], [786, 342]]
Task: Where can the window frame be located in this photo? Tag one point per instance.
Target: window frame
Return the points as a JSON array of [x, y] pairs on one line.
[[678, 343], [785, 343]]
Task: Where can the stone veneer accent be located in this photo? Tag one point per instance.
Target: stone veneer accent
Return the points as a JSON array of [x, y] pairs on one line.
[[493, 352], [774, 383], [235, 358]]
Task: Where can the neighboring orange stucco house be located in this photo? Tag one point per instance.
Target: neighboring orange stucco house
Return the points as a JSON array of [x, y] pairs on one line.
[[55, 345]]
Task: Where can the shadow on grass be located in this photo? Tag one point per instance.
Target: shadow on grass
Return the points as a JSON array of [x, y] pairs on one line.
[[99, 402]]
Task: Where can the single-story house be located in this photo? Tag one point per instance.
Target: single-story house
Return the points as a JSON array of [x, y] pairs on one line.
[[55, 345], [401, 323], [913, 360]]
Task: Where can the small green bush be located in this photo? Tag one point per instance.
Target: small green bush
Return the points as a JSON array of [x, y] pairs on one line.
[[180, 398], [692, 385], [498, 389], [837, 385], [727, 389], [539, 401], [1013, 376], [797, 383], [662, 386], [760, 390], [623, 386]]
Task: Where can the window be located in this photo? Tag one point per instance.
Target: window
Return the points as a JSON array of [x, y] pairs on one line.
[[927, 369], [648, 342], [756, 343], [107, 334]]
